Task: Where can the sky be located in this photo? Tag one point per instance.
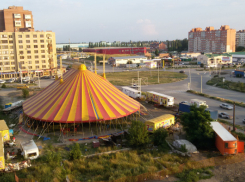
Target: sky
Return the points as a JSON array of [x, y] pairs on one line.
[[125, 20]]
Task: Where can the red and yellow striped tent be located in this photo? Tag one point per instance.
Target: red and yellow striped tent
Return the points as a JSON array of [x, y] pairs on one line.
[[81, 96]]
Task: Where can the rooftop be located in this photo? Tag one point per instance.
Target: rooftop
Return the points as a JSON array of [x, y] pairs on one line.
[[222, 132], [3, 125], [115, 47], [216, 55], [129, 57]]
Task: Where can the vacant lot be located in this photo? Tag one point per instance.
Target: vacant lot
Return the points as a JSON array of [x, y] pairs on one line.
[[125, 78]]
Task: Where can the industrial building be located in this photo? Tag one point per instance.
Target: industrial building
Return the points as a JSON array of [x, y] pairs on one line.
[[126, 60], [214, 60], [211, 40], [26, 52], [117, 50]]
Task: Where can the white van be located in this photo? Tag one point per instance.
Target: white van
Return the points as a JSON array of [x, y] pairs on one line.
[[199, 102], [131, 92], [29, 150]]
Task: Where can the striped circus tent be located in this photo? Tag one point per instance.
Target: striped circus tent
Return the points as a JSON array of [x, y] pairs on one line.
[[81, 96]]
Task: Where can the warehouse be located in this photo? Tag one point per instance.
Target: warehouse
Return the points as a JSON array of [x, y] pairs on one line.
[[126, 60], [117, 50]]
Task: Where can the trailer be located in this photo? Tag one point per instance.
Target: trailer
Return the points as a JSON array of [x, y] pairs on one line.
[[199, 102], [164, 121], [4, 131], [161, 99], [131, 92], [2, 159], [29, 150], [225, 141]]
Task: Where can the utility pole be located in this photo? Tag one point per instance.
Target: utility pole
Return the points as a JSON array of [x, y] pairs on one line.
[[201, 83], [39, 80], [95, 67], [158, 72], [234, 116], [190, 77], [138, 79]]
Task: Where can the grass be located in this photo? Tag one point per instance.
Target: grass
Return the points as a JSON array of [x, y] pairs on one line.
[[195, 175], [241, 104], [230, 124], [125, 78], [230, 85]]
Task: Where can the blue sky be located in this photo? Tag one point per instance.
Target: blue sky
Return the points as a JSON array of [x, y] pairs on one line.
[[124, 20]]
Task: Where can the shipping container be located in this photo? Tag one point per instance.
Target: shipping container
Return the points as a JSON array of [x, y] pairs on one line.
[[163, 121], [161, 99], [184, 107], [239, 73], [4, 131], [225, 142]]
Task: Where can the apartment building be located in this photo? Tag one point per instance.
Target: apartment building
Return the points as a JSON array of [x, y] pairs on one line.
[[240, 38], [15, 19], [211, 40], [157, 45], [24, 51], [27, 53]]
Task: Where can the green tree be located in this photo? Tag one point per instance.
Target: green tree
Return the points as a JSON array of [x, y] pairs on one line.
[[240, 48], [4, 85], [197, 127], [241, 86], [138, 135], [25, 92], [80, 49], [157, 52], [75, 153], [159, 136]]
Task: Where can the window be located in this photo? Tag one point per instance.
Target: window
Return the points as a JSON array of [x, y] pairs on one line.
[[4, 41], [11, 57], [27, 36], [35, 46], [28, 17], [5, 52], [27, 41], [11, 42], [11, 47], [19, 36], [32, 154], [37, 67], [21, 52], [17, 23], [10, 36], [29, 62], [28, 57], [43, 61], [43, 56], [20, 41], [42, 46], [4, 36], [22, 57], [42, 41], [4, 47], [34, 41], [42, 51], [226, 145], [30, 67], [20, 47], [28, 52], [11, 52], [36, 57], [35, 36], [5, 57], [17, 16], [28, 46], [13, 68], [36, 51], [36, 62], [12, 63], [43, 66], [28, 24], [41, 36]]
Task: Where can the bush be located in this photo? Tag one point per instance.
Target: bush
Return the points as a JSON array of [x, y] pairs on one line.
[[159, 136], [183, 148], [75, 152], [25, 93], [4, 86], [201, 65], [7, 177]]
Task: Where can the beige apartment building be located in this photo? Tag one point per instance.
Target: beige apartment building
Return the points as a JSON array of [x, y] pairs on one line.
[[24, 51], [211, 40], [27, 53]]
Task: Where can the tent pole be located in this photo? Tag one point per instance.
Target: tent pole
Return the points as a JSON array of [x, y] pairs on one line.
[[82, 130], [74, 127], [116, 124], [60, 129], [110, 125], [53, 128], [67, 129]]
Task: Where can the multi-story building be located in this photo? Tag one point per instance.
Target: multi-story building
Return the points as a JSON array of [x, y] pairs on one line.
[[240, 38], [24, 51], [157, 45], [210, 40], [117, 50], [15, 19]]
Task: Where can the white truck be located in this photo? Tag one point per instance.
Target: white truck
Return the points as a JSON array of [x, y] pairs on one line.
[[29, 150], [131, 92], [198, 102]]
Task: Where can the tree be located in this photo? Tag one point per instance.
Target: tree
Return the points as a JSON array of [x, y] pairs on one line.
[[75, 152], [159, 136], [197, 126], [157, 52], [25, 93], [80, 49], [240, 48], [138, 135]]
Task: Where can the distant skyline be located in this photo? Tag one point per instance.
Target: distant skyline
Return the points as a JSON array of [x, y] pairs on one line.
[[124, 20]]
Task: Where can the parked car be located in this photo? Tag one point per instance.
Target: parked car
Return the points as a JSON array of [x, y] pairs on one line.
[[184, 102], [225, 115], [182, 71], [243, 121], [10, 80], [45, 77], [226, 106], [28, 81], [2, 81]]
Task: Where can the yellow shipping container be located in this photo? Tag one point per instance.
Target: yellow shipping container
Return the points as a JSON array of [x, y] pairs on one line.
[[4, 131], [164, 121], [2, 159]]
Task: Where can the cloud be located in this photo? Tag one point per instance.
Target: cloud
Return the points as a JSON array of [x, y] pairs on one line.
[[146, 27]]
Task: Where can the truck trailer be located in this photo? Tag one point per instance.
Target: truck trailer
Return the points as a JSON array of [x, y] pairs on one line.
[[164, 121], [161, 99], [131, 92]]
